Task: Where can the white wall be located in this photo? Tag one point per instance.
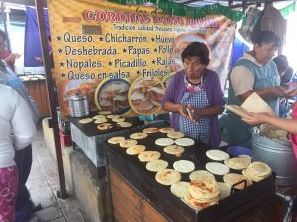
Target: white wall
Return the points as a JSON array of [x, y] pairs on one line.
[[290, 49]]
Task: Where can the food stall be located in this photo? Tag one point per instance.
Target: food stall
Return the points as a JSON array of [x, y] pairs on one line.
[[121, 59]]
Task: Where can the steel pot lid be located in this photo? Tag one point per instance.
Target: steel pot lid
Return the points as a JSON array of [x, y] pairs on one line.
[[77, 97]]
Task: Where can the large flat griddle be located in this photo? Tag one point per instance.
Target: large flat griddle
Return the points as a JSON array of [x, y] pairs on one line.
[[236, 207]]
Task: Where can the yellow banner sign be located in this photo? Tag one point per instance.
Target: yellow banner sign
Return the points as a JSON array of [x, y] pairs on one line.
[[122, 57]]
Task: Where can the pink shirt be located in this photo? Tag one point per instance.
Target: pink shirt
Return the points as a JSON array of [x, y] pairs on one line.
[[293, 137]]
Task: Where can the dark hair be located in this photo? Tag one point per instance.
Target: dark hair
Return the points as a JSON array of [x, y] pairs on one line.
[[281, 63], [266, 37], [3, 34], [196, 49]]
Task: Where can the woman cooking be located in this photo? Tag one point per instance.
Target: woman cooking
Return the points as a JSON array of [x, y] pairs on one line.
[[194, 97]]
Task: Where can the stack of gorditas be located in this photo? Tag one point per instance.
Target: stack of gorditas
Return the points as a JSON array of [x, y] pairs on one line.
[[203, 192]]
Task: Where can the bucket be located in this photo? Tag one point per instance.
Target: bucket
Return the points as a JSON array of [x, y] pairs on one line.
[[278, 155]]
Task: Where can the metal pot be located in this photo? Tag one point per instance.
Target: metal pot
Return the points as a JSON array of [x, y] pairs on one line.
[[78, 105], [278, 155]]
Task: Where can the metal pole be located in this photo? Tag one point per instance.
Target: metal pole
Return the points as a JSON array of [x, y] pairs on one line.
[[51, 96], [244, 5]]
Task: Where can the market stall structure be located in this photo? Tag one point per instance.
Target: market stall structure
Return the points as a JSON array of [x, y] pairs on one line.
[[142, 46]]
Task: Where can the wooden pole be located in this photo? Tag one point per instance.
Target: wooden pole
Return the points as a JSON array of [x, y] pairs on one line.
[[52, 95]]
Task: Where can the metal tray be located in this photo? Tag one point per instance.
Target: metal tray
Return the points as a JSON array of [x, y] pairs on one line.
[[90, 129]]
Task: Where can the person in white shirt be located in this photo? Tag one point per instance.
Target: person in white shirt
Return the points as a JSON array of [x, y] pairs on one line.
[[23, 158], [18, 130]]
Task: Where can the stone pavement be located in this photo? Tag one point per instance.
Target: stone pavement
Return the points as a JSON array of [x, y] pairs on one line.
[[43, 184]]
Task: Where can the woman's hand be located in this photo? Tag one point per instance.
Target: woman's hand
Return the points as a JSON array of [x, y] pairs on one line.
[[278, 91], [195, 113], [257, 118], [292, 93], [198, 113], [12, 57], [183, 111]]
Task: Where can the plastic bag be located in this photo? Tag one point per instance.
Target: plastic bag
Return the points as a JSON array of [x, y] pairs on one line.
[[249, 23]]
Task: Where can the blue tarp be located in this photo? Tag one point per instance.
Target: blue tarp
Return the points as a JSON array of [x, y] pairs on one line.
[[32, 39], [239, 48]]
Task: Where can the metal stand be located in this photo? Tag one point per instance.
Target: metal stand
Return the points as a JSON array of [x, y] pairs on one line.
[[288, 215]]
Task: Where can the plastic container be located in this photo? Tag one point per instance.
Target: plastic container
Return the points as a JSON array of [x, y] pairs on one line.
[[239, 150]]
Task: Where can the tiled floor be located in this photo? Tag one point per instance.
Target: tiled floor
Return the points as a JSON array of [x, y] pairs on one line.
[[43, 184]]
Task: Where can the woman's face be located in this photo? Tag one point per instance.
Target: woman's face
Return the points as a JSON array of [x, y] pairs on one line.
[[193, 67], [264, 52]]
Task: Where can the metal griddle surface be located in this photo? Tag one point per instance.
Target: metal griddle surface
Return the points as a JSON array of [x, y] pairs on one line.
[[90, 129], [173, 207]]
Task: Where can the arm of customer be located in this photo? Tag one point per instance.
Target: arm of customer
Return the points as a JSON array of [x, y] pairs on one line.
[[23, 125], [242, 81], [289, 125]]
